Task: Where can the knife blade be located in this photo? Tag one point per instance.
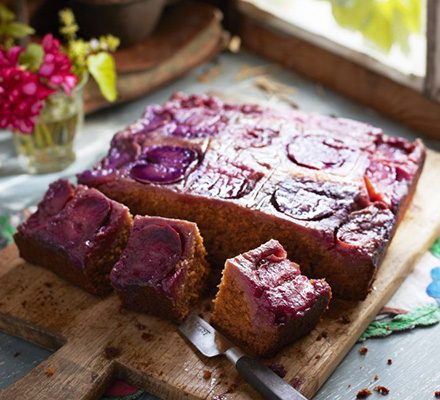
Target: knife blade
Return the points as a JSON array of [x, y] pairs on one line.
[[212, 343]]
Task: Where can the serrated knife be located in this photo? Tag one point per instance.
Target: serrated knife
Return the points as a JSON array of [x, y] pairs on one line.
[[211, 343]]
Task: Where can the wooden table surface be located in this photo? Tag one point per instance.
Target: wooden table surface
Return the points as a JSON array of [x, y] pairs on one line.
[[414, 373]]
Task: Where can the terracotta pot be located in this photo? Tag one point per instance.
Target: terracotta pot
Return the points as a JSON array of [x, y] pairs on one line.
[[130, 20]]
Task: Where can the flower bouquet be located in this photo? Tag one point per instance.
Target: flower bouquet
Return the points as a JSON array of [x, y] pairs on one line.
[[41, 86]]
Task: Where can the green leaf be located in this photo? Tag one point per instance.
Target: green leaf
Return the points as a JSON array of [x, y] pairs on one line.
[[422, 316], [32, 57], [102, 67], [6, 229], [17, 30], [6, 15], [435, 249], [383, 23]]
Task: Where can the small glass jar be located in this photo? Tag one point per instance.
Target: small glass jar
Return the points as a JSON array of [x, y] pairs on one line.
[[49, 148]]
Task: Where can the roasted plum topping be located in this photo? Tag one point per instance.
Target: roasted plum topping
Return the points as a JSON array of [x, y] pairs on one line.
[[155, 250], [309, 200], [271, 267], [367, 228], [226, 181], [96, 176], [163, 164], [321, 153], [255, 137], [80, 220], [277, 282], [380, 180], [188, 117], [155, 117], [123, 151], [394, 149], [57, 196], [75, 226]]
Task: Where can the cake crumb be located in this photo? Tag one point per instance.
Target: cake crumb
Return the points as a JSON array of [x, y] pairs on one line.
[[140, 326], [296, 382], [376, 377], [50, 371], [322, 335], [16, 354], [278, 368], [147, 336], [111, 352], [389, 361], [437, 394], [318, 357], [363, 393], [207, 374], [363, 350], [382, 390], [344, 320]]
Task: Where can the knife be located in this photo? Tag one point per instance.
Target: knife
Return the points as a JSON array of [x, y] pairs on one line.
[[211, 343]]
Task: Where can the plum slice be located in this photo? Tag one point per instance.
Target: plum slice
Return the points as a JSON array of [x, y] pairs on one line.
[[228, 180], [367, 228], [80, 220], [309, 200], [321, 152], [56, 197], [163, 164], [380, 180], [154, 251]]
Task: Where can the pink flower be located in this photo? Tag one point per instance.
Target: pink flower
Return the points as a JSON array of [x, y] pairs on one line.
[[10, 58], [56, 66], [22, 94]]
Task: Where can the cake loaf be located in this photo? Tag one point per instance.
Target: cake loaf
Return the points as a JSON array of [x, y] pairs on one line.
[[76, 232], [330, 190]]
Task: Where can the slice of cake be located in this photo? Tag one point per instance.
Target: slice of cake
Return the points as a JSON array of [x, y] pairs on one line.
[[163, 270], [78, 233], [264, 302], [247, 174]]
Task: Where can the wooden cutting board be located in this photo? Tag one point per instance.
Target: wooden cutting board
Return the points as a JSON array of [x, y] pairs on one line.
[[95, 340]]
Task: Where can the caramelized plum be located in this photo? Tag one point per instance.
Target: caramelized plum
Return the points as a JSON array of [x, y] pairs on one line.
[[163, 164], [367, 229], [226, 180], [320, 152], [154, 251], [310, 200]]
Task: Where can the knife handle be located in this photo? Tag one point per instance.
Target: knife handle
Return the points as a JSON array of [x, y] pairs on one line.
[[262, 378]]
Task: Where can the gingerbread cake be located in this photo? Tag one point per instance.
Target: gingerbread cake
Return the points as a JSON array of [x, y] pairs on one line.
[[264, 302], [331, 190], [76, 232], [163, 269]]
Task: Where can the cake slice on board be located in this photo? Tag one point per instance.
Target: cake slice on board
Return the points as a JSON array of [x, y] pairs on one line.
[[264, 302], [76, 232], [163, 270]]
